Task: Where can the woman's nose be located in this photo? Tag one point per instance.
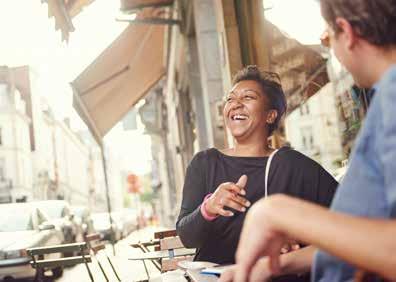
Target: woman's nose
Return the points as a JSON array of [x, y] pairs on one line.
[[236, 104]]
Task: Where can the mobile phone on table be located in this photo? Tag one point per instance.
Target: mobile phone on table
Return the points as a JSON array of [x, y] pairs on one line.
[[216, 270]]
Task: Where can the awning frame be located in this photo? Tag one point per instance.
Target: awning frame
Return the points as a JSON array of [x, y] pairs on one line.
[[148, 5]]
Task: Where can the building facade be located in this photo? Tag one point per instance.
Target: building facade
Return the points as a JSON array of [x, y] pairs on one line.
[[15, 155], [41, 157], [314, 128]]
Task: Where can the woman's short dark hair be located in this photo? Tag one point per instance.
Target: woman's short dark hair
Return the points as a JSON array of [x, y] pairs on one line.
[[373, 20], [272, 88]]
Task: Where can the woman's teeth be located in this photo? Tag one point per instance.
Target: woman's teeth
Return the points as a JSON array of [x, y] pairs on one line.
[[239, 117]]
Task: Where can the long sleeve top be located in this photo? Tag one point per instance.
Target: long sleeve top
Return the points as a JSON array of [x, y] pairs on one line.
[[291, 173]]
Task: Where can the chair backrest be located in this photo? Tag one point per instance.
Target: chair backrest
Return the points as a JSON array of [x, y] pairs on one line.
[[94, 243], [169, 241], [73, 247], [161, 235], [38, 261], [164, 234]]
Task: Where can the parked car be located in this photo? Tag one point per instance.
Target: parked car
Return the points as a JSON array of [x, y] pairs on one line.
[[128, 221], [23, 226], [82, 216], [59, 213], [101, 223]]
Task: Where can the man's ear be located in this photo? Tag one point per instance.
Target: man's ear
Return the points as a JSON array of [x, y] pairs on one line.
[[271, 116], [347, 31]]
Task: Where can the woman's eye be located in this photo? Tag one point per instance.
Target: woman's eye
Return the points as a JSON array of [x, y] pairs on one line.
[[248, 97], [229, 99]]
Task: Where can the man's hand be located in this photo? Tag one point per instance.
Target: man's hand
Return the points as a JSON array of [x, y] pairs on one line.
[[291, 245], [259, 238], [228, 195], [260, 272]]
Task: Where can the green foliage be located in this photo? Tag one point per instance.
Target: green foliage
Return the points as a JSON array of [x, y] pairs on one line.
[[147, 194], [147, 197]]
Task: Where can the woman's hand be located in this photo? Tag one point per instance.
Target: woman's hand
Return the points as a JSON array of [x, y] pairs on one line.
[[260, 272], [228, 195]]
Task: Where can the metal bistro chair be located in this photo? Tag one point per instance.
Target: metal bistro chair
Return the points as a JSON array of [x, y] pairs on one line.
[[95, 246], [40, 264], [168, 251]]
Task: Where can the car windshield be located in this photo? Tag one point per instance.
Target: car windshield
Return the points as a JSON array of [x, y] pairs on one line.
[[15, 218], [52, 210], [79, 211], [101, 221]]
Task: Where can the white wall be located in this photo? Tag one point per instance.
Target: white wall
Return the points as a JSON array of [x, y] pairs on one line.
[[61, 154], [98, 182], [72, 161], [15, 155], [317, 121]]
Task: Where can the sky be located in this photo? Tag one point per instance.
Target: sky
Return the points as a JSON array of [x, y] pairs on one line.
[[299, 19], [28, 37]]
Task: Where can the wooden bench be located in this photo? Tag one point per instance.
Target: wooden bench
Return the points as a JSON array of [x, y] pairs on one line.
[[40, 264]]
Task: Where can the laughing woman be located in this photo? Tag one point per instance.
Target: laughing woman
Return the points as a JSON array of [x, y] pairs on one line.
[[220, 185]]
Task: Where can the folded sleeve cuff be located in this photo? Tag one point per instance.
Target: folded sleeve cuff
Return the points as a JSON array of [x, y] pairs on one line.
[[204, 213]]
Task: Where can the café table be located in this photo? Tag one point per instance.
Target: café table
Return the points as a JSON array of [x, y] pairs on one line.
[[162, 254], [197, 276], [180, 276]]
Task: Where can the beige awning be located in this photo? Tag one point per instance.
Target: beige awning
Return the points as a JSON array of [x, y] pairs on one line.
[[119, 77]]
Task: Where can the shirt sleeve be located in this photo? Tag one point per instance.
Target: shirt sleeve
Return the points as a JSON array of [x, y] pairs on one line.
[[326, 189], [387, 144], [297, 175], [191, 226]]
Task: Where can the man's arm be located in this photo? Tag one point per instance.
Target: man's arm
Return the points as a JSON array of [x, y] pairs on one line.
[[296, 262], [366, 243]]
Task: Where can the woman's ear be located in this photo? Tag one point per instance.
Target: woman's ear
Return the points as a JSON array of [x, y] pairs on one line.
[[271, 116]]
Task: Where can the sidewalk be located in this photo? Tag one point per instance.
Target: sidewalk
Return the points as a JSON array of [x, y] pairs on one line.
[[127, 270]]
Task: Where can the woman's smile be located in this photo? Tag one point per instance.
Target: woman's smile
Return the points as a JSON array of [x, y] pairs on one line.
[[244, 111]]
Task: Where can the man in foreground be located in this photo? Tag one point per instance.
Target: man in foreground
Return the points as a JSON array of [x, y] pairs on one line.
[[359, 230]]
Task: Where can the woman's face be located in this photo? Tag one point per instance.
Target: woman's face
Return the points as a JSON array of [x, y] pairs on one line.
[[247, 110]]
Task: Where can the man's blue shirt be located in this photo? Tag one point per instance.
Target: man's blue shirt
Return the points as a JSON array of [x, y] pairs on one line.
[[369, 186]]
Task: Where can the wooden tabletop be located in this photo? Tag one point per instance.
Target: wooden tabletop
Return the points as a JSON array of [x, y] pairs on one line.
[[178, 276], [162, 254], [170, 276]]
